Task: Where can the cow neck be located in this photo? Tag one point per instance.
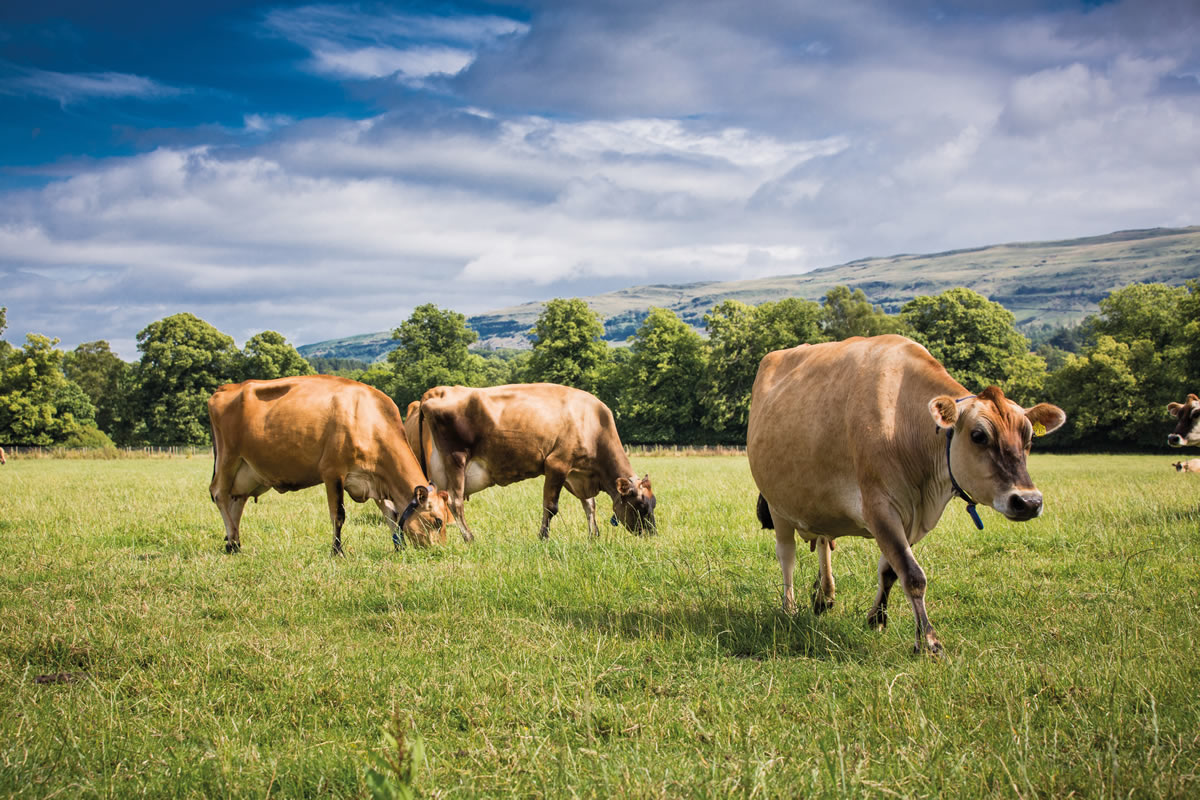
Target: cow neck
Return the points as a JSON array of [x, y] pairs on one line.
[[955, 489]]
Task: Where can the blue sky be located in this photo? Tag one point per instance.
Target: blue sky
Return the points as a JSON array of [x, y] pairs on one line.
[[321, 169]]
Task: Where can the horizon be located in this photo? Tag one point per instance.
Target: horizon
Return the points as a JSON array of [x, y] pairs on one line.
[[321, 169]]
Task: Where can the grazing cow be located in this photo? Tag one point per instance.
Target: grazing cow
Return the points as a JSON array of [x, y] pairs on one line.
[[292, 433], [1191, 465], [872, 438], [470, 439], [3, 460], [1187, 428]]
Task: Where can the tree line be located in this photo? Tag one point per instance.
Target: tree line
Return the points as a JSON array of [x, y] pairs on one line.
[[1113, 374]]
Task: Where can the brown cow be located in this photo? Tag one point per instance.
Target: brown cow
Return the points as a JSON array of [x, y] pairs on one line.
[[1187, 428], [470, 439], [872, 438], [1191, 465], [293, 433], [3, 460]]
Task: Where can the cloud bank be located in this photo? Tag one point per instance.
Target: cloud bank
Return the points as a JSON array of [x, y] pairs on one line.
[[590, 147]]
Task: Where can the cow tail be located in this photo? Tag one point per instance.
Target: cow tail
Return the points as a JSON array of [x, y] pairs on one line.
[[764, 513], [421, 440]]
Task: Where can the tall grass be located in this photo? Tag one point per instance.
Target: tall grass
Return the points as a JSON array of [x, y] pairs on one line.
[[137, 658]]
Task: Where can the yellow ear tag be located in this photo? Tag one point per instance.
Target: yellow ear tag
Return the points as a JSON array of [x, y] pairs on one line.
[[1039, 429]]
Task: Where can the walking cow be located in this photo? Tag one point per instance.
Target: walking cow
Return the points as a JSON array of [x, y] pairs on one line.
[[872, 437]]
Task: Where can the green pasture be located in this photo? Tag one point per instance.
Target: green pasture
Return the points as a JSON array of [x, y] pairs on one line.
[[138, 659]]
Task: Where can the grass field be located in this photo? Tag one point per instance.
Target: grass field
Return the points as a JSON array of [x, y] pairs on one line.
[[136, 658]]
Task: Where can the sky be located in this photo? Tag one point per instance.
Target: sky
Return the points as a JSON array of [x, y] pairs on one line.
[[322, 169]]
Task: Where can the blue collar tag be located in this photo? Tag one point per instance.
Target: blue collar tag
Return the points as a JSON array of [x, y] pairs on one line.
[[974, 516], [613, 521]]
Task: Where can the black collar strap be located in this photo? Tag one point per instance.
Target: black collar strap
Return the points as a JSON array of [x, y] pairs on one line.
[[398, 534], [956, 490]]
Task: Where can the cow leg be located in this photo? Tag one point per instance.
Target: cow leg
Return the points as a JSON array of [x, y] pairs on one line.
[[589, 508], [785, 551], [822, 598], [231, 514], [457, 488], [550, 492], [337, 513], [878, 617], [889, 535]]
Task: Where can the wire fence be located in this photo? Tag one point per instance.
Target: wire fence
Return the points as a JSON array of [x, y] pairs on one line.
[[22, 452]]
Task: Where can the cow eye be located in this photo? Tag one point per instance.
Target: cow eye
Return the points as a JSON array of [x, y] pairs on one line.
[[978, 437]]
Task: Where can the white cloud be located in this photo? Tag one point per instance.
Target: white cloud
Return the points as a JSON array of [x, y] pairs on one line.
[[357, 44], [68, 88]]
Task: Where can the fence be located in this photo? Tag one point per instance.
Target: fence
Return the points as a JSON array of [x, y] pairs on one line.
[[18, 451]]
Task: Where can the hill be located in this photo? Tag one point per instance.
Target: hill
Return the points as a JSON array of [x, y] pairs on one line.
[[1054, 283]]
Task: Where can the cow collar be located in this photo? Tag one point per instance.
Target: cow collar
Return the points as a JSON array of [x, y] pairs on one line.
[[398, 534], [955, 489]]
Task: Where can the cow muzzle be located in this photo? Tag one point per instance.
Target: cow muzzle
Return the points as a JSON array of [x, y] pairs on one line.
[[1175, 440], [1022, 505]]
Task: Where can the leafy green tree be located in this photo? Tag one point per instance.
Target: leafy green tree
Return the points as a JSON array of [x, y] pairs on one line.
[[846, 313], [38, 405], [433, 351], [1099, 392], [567, 345], [739, 336], [102, 376], [268, 355], [977, 342], [5, 347], [659, 402], [184, 360]]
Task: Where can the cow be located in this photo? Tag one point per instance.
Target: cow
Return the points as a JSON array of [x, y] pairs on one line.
[[470, 439], [871, 437], [3, 460], [293, 433], [1191, 465], [1187, 417]]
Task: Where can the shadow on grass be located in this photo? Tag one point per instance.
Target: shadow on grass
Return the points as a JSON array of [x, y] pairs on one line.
[[737, 631]]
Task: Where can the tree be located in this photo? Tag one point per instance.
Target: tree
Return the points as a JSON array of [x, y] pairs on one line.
[[184, 360], [5, 347], [739, 336], [433, 351], [976, 341], [100, 373], [567, 345], [38, 405], [268, 355], [659, 401], [845, 314], [1098, 391]]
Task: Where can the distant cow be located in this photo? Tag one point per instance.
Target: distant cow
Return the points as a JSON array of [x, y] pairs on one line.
[[1191, 465], [3, 460], [470, 439], [1187, 427], [293, 433], [872, 438]]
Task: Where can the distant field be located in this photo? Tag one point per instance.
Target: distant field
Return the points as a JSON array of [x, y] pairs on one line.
[[631, 667]]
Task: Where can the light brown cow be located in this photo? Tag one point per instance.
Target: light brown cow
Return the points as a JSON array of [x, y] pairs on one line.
[[1191, 465], [293, 433], [3, 460], [1187, 428], [470, 439], [872, 438]]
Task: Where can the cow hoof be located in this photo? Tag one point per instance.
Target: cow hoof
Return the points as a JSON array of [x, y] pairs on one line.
[[338, 552], [931, 646], [877, 621], [820, 605], [232, 548]]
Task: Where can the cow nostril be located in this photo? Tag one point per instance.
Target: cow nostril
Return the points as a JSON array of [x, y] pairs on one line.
[[1016, 503], [1174, 440]]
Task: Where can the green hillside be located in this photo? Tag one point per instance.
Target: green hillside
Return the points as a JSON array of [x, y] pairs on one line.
[[1040, 282]]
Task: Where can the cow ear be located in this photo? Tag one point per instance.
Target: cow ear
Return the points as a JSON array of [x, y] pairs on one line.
[[421, 494], [1193, 399], [624, 485], [1174, 408], [1045, 418], [944, 411], [444, 495], [644, 483]]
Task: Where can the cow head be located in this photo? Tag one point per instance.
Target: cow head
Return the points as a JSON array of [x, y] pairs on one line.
[[1187, 417], [633, 504], [1178, 465], [427, 515], [991, 438]]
